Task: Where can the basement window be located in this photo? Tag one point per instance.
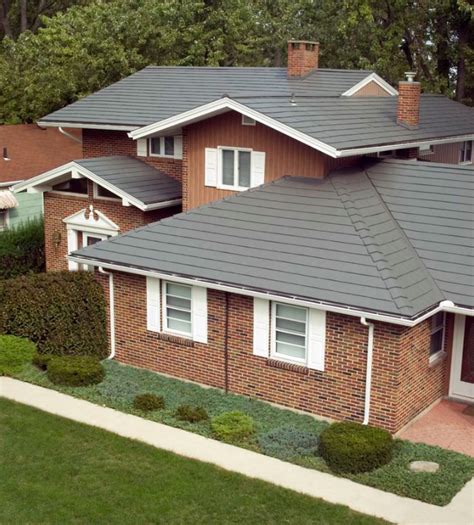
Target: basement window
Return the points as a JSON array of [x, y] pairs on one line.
[[438, 322]]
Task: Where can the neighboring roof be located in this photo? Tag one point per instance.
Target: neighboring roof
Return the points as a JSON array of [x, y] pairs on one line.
[[7, 200], [157, 93], [338, 241], [133, 180], [33, 150]]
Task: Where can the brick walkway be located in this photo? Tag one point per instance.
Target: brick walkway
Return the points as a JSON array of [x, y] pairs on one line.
[[446, 425]]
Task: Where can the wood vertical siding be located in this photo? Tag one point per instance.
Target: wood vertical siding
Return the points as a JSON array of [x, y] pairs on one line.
[[284, 155], [445, 153]]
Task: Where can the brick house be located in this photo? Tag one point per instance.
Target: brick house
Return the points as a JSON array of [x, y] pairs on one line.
[[289, 234]]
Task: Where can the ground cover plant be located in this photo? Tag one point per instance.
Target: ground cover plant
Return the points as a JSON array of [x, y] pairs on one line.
[[122, 383], [59, 471]]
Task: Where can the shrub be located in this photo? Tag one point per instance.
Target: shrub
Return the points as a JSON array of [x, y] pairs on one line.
[[15, 352], [62, 312], [148, 402], [22, 249], [288, 442], [352, 447], [75, 370], [191, 414], [232, 427], [42, 360]]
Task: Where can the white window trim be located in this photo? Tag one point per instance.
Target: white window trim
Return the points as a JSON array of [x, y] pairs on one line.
[[273, 353], [162, 147], [99, 197], [164, 320], [440, 353], [250, 121], [220, 184], [461, 149]]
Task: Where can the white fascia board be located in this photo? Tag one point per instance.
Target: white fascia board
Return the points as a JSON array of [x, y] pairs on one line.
[[344, 310], [44, 177], [84, 125], [373, 77], [402, 145], [213, 108]]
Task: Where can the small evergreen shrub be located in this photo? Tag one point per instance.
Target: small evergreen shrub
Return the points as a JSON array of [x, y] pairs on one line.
[[191, 414], [15, 352], [232, 427], [288, 442], [62, 312], [41, 360], [75, 370], [352, 447], [148, 402]]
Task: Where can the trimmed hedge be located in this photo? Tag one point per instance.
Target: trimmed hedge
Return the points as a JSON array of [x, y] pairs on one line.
[[352, 447], [75, 370], [62, 312], [233, 427], [22, 250], [15, 352], [191, 414], [148, 402], [41, 360]]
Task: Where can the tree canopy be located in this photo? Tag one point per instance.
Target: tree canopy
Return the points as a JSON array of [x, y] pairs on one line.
[[47, 62]]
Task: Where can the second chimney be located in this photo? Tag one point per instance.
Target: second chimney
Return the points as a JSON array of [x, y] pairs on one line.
[[408, 108], [303, 57]]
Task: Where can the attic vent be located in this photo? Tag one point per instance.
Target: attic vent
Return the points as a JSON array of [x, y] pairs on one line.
[[247, 121]]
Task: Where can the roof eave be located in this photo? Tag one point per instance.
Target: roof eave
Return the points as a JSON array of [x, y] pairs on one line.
[[85, 125]]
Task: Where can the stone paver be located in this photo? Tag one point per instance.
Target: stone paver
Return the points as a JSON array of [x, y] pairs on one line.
[[445, 425], [368, 500]]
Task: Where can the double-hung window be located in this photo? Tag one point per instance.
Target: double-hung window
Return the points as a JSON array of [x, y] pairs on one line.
[[437, 334], [235, 168], [465, 153], [177, 308], [162, 146], [290, 332]]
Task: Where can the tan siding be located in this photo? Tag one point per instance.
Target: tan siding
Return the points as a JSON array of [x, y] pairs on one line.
[[372, 89]]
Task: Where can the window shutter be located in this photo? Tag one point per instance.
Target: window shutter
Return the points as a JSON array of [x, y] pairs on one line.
[[211, 167], [258, 168], [178, 147], [199, 313], [261, 326], [142, 147], [72, 246], [153, 304], [317, 339]]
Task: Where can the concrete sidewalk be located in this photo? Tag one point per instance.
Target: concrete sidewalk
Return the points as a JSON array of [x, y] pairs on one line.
[[361, 498]]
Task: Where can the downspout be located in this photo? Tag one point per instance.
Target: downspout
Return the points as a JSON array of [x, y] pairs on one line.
[[226, 344], [368, 373], [61, 130], [111, 311]]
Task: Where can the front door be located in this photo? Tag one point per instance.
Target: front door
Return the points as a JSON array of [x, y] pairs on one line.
[[462, 363]]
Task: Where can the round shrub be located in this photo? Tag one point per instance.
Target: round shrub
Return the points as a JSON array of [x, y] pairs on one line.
[[75, 370], [41, 360], [232, 427], [288, 442], [148, 402], [352, 447], [191, 414], [15, 352]]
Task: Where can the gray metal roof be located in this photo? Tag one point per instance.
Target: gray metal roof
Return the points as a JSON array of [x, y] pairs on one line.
[[335, 240], [356, 122], [156, 93], [134, 177]]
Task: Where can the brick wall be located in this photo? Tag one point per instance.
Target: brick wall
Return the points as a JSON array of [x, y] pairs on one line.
[[303, 57], [403, 382], [408, 109], [59, 206]]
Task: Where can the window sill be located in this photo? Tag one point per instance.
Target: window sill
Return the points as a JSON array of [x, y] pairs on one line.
[[171, 157], [437, 358], [174, 339], [285, 365], [231, 188]]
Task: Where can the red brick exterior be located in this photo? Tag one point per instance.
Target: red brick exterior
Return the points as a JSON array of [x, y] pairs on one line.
[[303, 57], [408, 109], [403, 381]]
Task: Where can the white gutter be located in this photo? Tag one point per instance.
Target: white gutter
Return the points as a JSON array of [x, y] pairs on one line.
[[368, 373], [445, 306], [111, 311], [84, 125], [66, 134]]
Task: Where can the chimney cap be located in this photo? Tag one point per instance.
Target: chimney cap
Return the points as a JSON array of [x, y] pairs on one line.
[[410, 75]]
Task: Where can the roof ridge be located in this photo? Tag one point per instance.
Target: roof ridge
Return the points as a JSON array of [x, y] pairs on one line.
[[381, 253]]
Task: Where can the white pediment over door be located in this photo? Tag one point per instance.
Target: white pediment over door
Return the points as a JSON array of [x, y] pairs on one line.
[[91, 220]]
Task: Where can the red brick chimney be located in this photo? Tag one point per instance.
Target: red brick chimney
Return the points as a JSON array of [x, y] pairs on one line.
[[408, 109], [303, 58]]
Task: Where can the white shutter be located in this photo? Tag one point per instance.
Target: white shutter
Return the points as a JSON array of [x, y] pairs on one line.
[[72, 245], [317, 339], [261, 326], [199, 309], [142, 147], [178, 147], [153, 304], [258, 168], [210, 167]]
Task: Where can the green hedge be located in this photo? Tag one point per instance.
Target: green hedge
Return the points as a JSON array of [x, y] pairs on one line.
[[15, 352], [75, 370], [233, 427], [148, 402], [22, 250], [62, 312]]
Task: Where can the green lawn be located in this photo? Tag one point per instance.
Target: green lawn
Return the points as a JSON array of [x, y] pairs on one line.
[[58, 471]]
